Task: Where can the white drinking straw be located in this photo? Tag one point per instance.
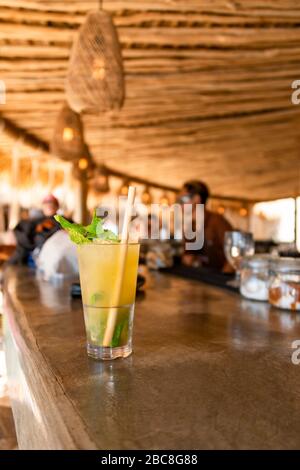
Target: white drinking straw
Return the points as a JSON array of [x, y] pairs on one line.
[[112, 317]]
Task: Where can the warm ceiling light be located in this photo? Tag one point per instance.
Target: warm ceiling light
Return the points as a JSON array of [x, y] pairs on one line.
[[99, 74], [164, 200], [221, 210], [83, 164], [146, 196], [68, 134], [99, 69], [243, 212], [124, 189], [101, 183]]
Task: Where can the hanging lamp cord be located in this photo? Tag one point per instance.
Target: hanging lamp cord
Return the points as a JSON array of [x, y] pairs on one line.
[[100, 4]]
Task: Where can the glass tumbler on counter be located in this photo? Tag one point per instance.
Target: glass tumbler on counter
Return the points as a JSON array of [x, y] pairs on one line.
[[237, 245], [284, 291], [108, 295], [255, 277]]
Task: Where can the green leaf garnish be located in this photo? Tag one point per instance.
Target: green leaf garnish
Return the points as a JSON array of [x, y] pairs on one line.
[[117, 334], [78, 238], [97, 297], [80, 234], [69, 225], [95, 225], [108, 235]]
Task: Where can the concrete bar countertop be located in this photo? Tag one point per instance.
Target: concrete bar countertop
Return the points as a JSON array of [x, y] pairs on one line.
[[210, 370]]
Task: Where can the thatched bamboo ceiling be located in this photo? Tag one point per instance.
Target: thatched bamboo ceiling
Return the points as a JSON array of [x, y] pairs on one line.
[[208, 88]]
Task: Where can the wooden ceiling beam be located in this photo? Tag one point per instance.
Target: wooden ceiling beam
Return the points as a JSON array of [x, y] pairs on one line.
[[22, 135], [200, 37], [282, 8], [135, 18]]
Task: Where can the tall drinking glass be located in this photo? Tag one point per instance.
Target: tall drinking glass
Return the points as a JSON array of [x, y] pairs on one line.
[[237, 245], [108, 277]]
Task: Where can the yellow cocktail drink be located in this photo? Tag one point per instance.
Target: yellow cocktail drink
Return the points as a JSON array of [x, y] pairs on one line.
[[102, 268]]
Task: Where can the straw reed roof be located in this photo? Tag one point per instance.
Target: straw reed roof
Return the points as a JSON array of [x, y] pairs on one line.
[[208, 88]]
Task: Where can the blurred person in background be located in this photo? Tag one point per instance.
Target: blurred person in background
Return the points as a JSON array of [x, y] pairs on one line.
[[155, 253], [215, 225], [32, 233], [50, 205], [24, 214]]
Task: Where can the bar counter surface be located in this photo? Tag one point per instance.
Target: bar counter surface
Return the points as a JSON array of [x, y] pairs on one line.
[[210, 370]]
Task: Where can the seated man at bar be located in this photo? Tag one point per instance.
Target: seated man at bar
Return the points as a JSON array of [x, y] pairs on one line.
[[215, 225]]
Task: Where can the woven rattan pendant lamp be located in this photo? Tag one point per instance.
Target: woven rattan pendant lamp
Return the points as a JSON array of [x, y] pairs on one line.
[[95, 79], [68, 139], [85, 166]]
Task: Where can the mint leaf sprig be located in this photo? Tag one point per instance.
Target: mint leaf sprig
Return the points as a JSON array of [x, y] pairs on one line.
[[81, 234]]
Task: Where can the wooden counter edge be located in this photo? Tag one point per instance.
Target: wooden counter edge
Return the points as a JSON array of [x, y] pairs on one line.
[[44, 416]]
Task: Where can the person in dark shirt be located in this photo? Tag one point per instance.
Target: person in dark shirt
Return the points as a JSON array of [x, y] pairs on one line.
[[31, 234], [215, 225]]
